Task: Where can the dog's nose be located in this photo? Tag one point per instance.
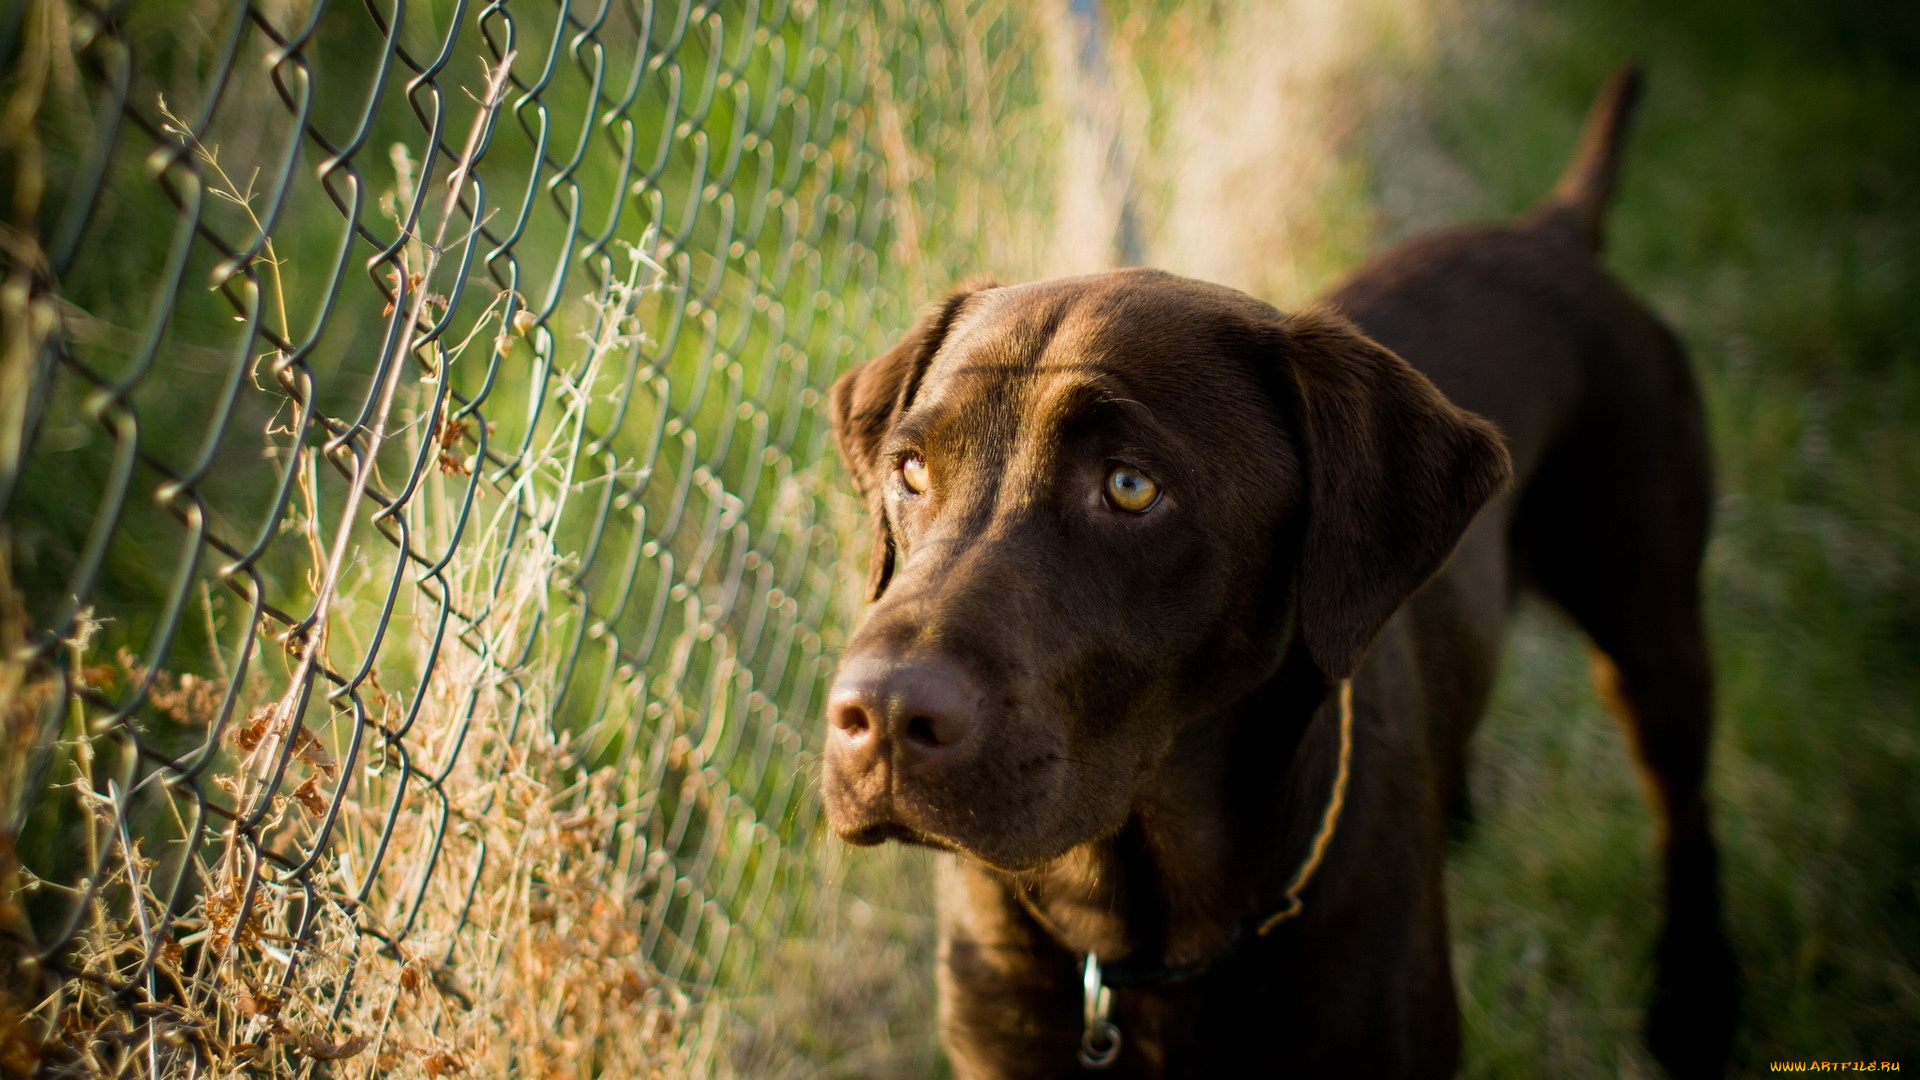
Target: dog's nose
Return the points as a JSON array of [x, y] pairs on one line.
[[922, 709]]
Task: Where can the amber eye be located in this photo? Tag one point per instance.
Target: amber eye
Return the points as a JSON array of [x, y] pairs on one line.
[[913, 473], [1131, 490]]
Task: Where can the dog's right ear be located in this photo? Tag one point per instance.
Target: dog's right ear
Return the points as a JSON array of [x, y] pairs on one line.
[[1395, 474], [862, 406]]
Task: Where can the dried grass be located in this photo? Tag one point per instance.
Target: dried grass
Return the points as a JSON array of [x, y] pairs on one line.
[[476, 908]]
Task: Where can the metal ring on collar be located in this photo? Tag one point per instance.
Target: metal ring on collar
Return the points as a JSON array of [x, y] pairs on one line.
[[1100, 1038]]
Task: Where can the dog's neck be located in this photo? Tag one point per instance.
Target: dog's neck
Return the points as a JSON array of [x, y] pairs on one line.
[[1212, 838]]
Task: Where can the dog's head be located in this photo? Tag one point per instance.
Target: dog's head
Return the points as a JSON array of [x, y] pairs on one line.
[[1103, 507]]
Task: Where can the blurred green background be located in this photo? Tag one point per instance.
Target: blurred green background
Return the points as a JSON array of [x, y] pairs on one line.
[[1771, 212]]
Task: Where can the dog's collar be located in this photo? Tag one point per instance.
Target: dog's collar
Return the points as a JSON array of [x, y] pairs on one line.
[[1100, 1038]]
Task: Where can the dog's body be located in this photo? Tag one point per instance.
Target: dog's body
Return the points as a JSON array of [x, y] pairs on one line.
[[1135, 531]]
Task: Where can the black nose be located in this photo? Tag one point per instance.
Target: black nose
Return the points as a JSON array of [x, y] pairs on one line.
[[924, 710]]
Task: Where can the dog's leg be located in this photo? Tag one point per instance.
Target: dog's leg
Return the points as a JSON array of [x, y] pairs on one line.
[[1665, 701], [1614, 530], [1010, 996]]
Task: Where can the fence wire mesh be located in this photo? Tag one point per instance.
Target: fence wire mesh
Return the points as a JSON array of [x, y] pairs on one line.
[[421, 550]]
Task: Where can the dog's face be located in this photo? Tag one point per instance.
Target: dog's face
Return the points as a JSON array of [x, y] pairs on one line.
[[1103, 507]]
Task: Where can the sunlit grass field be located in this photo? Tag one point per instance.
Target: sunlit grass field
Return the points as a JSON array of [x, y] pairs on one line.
[[1770, 211]]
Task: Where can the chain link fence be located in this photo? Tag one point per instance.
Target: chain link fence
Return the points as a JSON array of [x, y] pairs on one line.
[[422, 553]]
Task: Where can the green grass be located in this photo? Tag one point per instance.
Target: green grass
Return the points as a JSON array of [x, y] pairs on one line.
[[1771, 212]]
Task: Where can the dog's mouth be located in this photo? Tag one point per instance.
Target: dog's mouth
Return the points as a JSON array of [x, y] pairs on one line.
[[879, 832], [874, 833], [994, 807]]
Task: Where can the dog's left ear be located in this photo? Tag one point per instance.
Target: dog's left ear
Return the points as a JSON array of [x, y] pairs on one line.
[[1395, 474], [862, 406]]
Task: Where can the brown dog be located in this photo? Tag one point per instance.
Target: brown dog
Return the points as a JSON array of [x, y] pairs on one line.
[[1135, 535]]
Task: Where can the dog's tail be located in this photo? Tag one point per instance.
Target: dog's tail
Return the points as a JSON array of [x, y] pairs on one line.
[[1578, 202]]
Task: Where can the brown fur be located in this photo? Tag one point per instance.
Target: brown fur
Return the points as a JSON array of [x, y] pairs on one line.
[[1120, 727]]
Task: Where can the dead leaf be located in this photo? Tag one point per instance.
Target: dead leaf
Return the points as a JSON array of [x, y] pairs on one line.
[[308, 796], [252, 1002], [250, 735], [316, 1047], [306, 747]]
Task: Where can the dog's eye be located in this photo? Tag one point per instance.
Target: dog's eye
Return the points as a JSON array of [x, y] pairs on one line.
[[913, 473], [1131, 490]]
